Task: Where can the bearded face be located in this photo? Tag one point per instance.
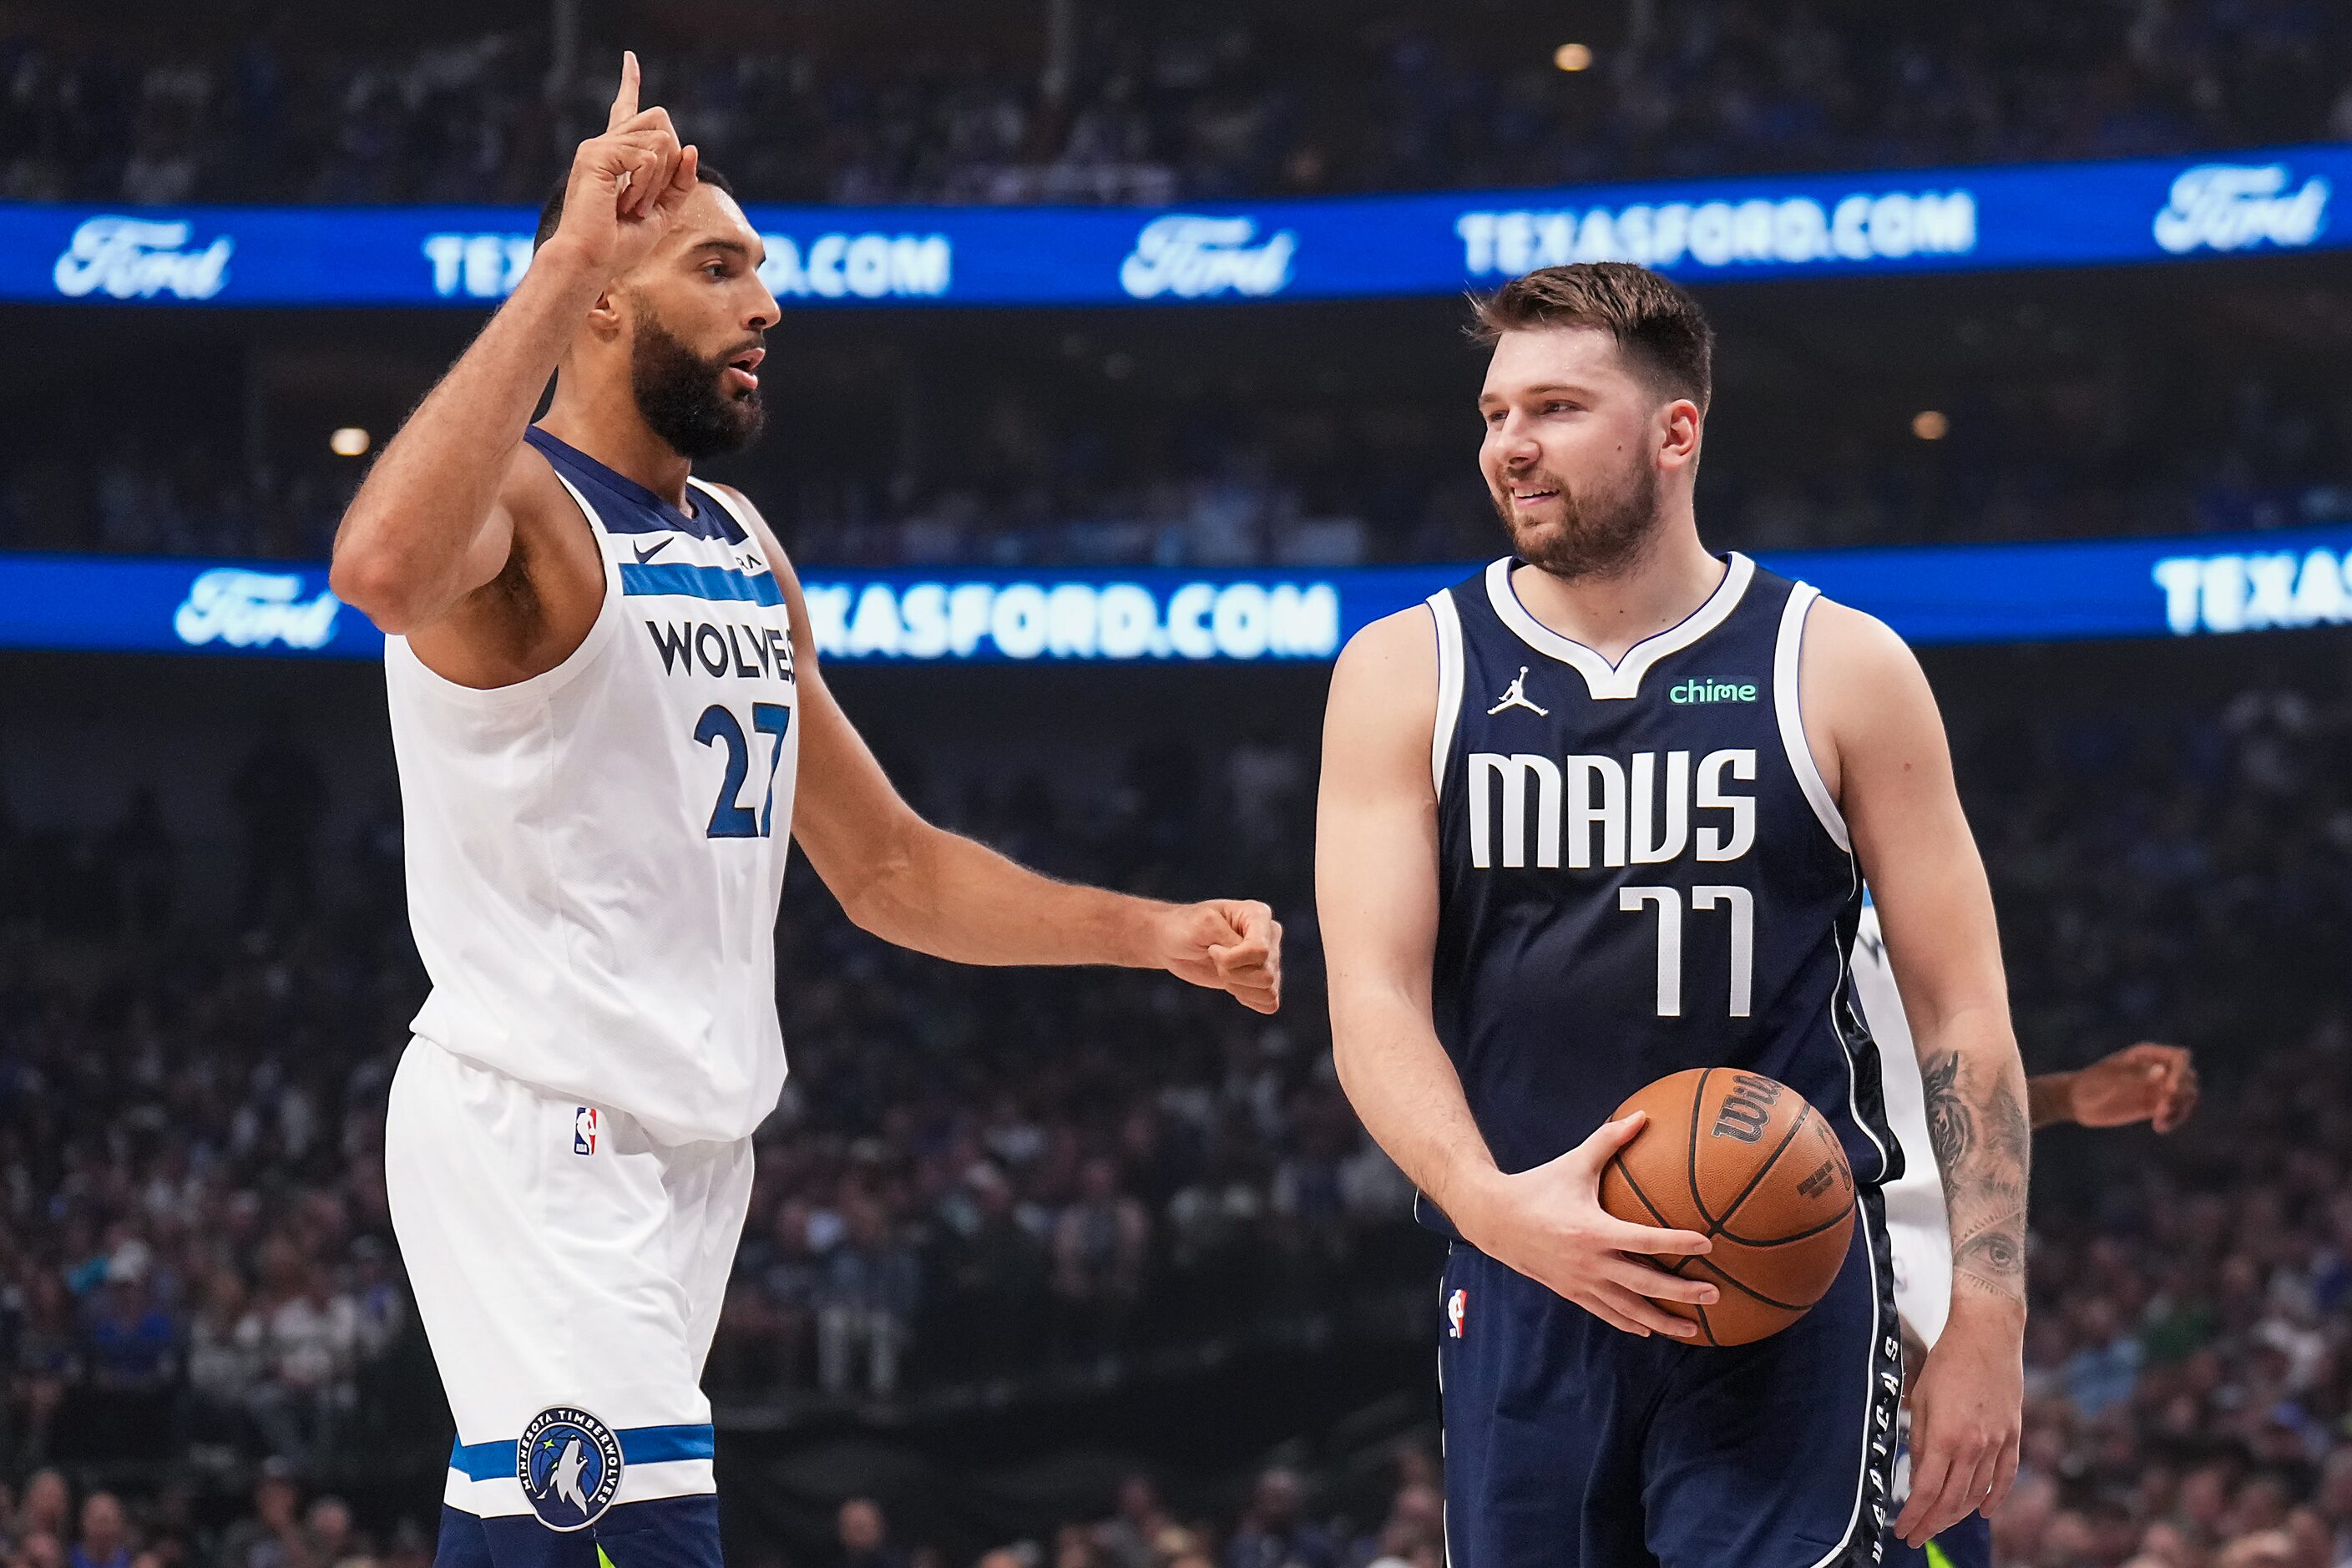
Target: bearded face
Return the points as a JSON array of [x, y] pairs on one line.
[[703, 406], [1595, 526]]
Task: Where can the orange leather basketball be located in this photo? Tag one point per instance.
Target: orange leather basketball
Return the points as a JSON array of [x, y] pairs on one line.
[[1744, 1160]]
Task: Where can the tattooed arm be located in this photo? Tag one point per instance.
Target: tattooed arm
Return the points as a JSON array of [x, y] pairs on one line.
[[1871, 724], [1983, 1143]]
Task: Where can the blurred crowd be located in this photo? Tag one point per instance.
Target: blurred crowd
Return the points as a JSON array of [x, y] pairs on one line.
[[984, 1180], [2110, 451], [2103, 450], [973, 1176], [1116, 104]]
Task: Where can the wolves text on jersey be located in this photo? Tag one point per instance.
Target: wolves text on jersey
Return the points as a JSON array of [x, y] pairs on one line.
[[1647, 809], [729, 649]]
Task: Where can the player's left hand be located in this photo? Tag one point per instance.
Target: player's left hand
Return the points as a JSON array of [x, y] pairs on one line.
[[2146, 1082], [1967, 1418], [1226, 944]]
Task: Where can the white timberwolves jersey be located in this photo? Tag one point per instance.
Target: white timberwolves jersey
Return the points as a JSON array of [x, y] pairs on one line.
[[1918, 1226], [595, 855]]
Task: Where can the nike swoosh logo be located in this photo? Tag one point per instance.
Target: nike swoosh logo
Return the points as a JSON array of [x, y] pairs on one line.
[[644, 556]]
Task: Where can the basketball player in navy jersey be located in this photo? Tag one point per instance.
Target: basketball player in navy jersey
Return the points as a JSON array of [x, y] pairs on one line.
[[610, 725], [2148, 1082], [1601, 813]]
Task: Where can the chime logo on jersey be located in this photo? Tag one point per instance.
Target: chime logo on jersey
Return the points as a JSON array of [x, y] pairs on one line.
[[584, 1123], [570, 1466], [1457, 1310]]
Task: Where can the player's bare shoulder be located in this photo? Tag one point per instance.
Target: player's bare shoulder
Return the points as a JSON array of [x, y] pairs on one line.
[[535, 583], [1859, 685], [1383, 710], [1384, 683]]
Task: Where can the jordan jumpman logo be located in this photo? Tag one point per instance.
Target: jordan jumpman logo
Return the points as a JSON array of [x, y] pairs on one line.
[[1516, 696]]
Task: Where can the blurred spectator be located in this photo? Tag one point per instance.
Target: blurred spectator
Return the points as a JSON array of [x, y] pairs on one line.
[[48, 1363], [327, 1536], [130, 1337], [1412, 1536], [271, 1536], [1098, 1256], [865, 1537], [105, 1540], [1274, 1533], [865, 1304], [1133, 1535], [45, 1505]]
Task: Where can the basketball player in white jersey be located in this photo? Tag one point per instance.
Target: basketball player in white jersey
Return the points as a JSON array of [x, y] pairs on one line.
[[2146, 1082], [610, 723]]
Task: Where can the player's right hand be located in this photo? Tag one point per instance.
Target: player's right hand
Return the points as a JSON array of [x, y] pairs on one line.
[[625, 183], [1548, 1223]]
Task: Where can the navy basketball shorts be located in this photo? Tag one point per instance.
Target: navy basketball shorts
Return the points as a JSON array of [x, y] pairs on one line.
[[1570, 1444], [569, 1269], [1968, 1544]]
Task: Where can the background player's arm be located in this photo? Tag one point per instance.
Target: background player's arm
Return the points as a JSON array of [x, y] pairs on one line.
[[2146, 1082], [1873, 722], [918, 885], [437, 519], [1376, 896]]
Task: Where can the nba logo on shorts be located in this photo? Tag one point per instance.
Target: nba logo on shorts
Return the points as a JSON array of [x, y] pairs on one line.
[[583, 1130], [1457, 1307]]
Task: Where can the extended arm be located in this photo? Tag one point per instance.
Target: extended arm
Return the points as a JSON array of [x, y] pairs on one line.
[[1895, 790], [2146, 1082], [1376, 894], [918, 885], [431, 524]]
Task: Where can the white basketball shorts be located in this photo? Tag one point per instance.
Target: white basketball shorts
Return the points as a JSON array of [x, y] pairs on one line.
[[569, 1272]]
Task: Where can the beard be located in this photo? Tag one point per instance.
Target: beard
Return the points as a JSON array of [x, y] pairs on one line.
[[1604, 527], [680, 396]]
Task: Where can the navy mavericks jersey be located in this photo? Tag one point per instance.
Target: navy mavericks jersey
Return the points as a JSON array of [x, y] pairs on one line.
[[1640, 870]]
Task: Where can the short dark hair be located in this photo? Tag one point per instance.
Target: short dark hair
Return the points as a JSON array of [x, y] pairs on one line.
[[1659, 326], [550, 211]]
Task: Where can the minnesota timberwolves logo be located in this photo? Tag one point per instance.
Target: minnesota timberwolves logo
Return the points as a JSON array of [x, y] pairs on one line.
[[570, 1466]]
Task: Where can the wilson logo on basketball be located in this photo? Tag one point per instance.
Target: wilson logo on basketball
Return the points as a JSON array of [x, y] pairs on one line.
[[1747, 1108], [1778, 1235]]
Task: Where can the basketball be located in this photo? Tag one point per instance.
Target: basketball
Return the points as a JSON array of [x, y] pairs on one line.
[[1744, 1160]]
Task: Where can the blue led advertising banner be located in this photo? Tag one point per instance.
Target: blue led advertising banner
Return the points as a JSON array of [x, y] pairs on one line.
[[1920, 220], [2058, 591]]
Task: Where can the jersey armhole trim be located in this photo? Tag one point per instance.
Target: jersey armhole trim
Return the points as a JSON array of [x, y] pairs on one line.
[[1449, 685], [546, 682], [1787, 654]]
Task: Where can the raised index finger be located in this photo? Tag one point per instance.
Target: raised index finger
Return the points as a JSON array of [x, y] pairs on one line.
[[625, 102]]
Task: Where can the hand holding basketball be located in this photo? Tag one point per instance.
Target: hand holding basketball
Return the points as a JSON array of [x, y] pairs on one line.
[[1548, 1223], [625, 183]]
